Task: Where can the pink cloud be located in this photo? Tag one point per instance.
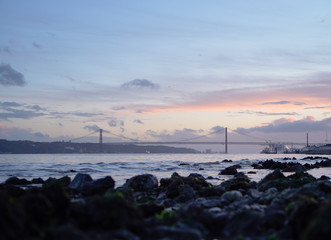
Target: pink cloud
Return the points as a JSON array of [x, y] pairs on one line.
[[288, 97]]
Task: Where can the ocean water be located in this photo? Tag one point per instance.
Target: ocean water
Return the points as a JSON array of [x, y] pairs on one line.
[[124, 166]]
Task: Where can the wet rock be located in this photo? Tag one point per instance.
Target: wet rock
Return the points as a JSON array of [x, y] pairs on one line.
[[254, 193], [166, 232], [111, 212], [244, 223], [319, 225], [37, 181], [13, 220], [121, 234], [226, 161], [232, 170], [231, 196], [79, 181], [186, 193], [196, 181], [184, 164], [295, 168], [66, 232], [38, 208], [98, 186], [174, 187], [239, 181], [58, 196], [17, 181], [323, 177], [274, 218], [64, 181], [151, 209], [142, 182]]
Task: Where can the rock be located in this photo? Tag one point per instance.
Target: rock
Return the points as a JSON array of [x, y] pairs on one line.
[[38, 208], [239, 181], [227, 161], [17, 181], [274, 218], [66, 232], [186, 193], [323, 177], [318, 226], [295, 168], [254, 193], [98, 186], [37, 181], [244, 223], [121, 234], [144, 182], [151, 209], [173, 189], [173, 233], [111, 212], [231, 196], [251, 172], [79, 181], [196, 181], [229, 171]]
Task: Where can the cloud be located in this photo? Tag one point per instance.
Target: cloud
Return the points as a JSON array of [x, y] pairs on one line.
[[22, 134], [17, 113], [118, 108], [217, 129], [138, 121], [15, 110], [283, 125], [9, 104], [140, 84], [85, 114], [9, 76], [319, 107], [114, 122], [270, 113], [176, 135], [92, 128], [276, 103], [283, 103], [5, 49], [36, 45], [313, 91], [37, 108]]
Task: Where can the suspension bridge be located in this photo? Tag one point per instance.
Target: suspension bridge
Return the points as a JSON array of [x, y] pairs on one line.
[[188, 141]]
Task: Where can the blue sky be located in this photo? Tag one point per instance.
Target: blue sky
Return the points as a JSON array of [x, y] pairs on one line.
[[157, 70]]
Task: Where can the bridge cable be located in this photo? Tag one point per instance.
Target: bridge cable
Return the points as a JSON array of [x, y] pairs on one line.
[[193, 138], [247, 135], [121, 136], [74, 139]]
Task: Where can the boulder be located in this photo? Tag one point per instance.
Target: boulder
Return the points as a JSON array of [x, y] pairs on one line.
[[229, 171], [231, 196], [79, 181], [98, 186], [17, 181], [144, 182]]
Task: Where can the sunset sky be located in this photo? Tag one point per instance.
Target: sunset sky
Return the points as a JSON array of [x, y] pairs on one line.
[[165, 70]]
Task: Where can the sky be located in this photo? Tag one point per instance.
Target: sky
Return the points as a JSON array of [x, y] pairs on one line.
[[165, 70]]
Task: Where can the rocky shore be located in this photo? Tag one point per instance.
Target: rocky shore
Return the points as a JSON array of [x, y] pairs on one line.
[[179, 207]]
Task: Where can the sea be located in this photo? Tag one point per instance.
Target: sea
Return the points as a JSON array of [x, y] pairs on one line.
[[124, 166]]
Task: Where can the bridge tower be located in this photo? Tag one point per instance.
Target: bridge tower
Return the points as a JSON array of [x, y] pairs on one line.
[[100, 141], [226, 140]]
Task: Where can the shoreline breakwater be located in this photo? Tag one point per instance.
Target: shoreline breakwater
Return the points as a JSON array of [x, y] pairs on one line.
[[279, 206]]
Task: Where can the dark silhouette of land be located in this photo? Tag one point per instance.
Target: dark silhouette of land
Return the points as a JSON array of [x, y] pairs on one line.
[[30, 147]]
